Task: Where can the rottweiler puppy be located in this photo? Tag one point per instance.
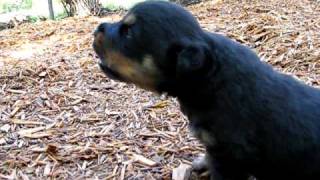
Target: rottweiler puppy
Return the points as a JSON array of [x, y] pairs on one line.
[[252, 119]]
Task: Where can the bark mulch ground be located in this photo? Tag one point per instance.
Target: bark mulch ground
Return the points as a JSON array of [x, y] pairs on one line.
[[61, 118]]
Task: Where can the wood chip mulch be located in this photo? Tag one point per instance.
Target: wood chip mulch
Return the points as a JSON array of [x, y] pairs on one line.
[[61, 118]]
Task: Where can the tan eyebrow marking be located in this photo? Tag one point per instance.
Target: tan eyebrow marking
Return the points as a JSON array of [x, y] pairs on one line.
[[129, 19]]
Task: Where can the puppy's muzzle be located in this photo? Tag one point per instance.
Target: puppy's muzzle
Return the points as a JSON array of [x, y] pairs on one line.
[[100, 40], [101, 44]]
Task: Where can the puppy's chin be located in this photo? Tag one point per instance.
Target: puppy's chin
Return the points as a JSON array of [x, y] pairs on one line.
[[110, 73]]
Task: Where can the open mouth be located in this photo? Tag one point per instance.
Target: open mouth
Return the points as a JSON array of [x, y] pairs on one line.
[[109, 72]]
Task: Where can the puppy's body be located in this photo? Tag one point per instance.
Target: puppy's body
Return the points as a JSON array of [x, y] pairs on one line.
[[252, 119]]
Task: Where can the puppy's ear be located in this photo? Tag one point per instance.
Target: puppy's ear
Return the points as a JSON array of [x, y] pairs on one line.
[[190, 59]]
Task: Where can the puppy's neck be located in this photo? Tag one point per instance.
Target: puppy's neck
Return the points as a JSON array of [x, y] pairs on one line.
[[190, 93], [196, 97]]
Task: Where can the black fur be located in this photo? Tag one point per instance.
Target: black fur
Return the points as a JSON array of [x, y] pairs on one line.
[[252, 119]]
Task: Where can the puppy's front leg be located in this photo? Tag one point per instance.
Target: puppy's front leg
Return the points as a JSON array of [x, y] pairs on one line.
[[217, 170], [200, 164]]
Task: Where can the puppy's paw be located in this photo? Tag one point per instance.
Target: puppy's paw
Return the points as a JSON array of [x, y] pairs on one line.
[[200, 164]]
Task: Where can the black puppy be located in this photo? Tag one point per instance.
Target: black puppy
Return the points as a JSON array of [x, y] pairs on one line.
[[251, 119]]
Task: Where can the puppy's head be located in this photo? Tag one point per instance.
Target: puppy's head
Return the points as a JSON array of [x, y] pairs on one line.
[[156, 45]]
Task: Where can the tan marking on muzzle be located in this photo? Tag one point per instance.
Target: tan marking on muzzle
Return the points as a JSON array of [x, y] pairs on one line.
[[140, 74], [99, 39]]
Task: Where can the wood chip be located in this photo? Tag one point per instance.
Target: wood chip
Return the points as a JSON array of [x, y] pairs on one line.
[[31, 130], [5, 128], [43, 74], [143, 160], [59, 94], [14, 111], [16, 91], [2, 141], [24, 122], [35, 132], [47, 169], [182, 172], [37, 135], [123, 171], [77, 101]]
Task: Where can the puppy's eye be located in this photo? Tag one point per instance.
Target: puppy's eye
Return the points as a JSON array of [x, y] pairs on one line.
[[125, 31]]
